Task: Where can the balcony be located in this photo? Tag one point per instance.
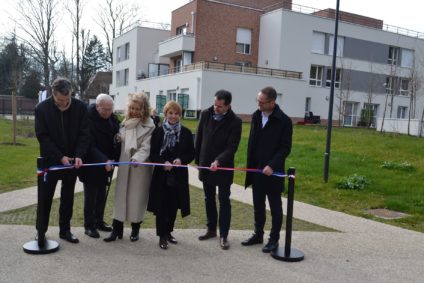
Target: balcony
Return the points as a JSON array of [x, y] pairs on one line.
[[213, 66], [176, 45]]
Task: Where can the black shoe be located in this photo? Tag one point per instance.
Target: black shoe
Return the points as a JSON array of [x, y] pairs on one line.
[[270, 246], [223, 242], [41, 239], [134, 236], [92, 232], [112, 237], [253, 240], [171, 239], [104, 227], [68, 236], [163, 243], [209, 234]]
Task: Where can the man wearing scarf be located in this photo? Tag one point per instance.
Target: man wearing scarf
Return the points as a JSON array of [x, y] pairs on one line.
[[217, 139], [62, 130]]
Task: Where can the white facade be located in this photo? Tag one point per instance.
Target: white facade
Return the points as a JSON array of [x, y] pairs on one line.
[[292, 41]]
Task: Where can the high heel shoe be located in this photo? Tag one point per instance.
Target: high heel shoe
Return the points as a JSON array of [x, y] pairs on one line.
[[163, 243], [135, 231], [112, 237], [117, 232]]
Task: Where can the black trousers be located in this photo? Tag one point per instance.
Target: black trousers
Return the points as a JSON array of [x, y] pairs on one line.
[[224, 208], [94, 203], [45, 195], [260, 193], [167, 213]]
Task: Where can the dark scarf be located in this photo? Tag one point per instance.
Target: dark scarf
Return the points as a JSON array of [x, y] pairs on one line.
[[171, 136]]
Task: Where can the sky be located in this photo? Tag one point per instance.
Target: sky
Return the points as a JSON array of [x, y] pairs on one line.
[[405, 13]]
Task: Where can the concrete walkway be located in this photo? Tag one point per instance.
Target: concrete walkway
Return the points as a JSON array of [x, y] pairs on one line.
[[363, 251]]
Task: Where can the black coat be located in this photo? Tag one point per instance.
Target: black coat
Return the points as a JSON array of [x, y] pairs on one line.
[[61, 133], [102, 146], [269, 146], [217, 141], [184, 150]]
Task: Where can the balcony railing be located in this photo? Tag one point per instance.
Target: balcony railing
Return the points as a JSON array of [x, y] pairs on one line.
[[229, 68]]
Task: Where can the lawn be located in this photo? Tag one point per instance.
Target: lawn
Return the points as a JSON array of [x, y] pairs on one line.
[[354, 151]]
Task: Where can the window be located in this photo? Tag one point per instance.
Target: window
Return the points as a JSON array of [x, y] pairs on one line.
[[118, 54], [340, 46], [127, 51], [126, 76], [402, 111], [122, 77], [404, 87], [307, 105], [350, 113], [318, 42], [183, 98], [336, 79], [172, 95], [390, 83], [118, 78], [371, 113], [393, 55], [160, 102], [243, 40], [315, 76], [407, 58], [181, 30]]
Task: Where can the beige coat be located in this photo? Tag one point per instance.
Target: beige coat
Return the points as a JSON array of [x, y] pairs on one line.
[[133, 183]]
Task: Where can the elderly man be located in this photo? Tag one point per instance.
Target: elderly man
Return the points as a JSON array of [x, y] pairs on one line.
[[104, 125], [62, 130]]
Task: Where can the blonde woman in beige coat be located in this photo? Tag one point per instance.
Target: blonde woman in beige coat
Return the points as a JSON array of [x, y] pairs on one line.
[[133, 182]]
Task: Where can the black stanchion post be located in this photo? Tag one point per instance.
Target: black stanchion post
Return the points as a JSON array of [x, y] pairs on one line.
[[289, 254], [40, 245]]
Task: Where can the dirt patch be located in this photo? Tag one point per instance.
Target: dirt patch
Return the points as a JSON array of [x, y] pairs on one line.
[[386, 213]]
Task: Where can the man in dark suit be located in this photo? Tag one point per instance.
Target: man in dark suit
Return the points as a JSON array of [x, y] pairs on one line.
[[62, 130], [270, 142], [217, 139], [104, 125]]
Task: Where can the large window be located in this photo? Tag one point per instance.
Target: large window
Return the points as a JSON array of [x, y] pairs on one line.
[[371, 111], [122, 77], [390, 84], [127, 51], [123, 52], [172, 95], [404, 87], [407, 58], [181, 30], [318, 42], [337, 79], [183, 98], [350, 116], [402, 112], [160, 102], [315, 75], [243, 40], [340, 46], [393, 55]]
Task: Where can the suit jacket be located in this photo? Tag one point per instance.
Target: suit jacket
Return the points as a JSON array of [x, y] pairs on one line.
[[184, 150], [217, 141], [269, 146]]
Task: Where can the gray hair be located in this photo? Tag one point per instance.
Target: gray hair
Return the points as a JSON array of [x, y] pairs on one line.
[[103, 97]]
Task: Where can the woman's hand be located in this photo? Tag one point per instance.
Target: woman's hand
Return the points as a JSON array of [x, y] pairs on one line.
[[168, 166]]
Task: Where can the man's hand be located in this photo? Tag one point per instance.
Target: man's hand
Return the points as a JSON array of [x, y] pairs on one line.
[[78, 162], [109, 167], [134, 165], [214, 165], [176, 161], [65, 160], [267, 171], [168, 166]]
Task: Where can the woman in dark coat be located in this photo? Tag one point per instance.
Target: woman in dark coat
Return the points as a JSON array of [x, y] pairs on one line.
[[171, 144]]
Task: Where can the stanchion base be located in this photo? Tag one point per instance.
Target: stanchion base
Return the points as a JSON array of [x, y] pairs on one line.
[[32, 247], [295, 255]]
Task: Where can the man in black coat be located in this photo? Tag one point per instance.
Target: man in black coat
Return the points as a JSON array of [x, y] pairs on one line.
[[104, 125], [62, 130], [270, 142], [217, 139]]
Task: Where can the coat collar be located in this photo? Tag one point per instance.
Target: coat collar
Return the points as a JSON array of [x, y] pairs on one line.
[[277, 113]]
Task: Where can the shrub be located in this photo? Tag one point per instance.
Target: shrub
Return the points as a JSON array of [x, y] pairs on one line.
[[354, 182], [394, 165]]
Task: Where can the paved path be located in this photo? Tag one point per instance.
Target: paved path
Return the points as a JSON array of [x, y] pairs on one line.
[[363, 251]]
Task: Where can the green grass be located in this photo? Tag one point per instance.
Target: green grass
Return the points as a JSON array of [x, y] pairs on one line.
[[354, 151], [242, 215]]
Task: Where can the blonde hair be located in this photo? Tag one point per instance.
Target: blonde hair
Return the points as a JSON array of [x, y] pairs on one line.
[[172, 105], [142, 100]]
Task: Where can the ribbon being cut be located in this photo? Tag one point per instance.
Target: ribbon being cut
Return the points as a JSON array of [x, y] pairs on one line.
[[44, 172]]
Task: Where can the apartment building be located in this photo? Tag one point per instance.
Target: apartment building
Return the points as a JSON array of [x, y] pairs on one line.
[[243, 46]]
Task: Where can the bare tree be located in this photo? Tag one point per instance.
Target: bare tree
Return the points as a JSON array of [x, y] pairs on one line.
[[116, 17], [38, 22], [344, 91]]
